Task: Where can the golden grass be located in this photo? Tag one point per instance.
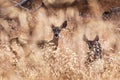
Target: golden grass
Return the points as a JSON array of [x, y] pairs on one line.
[[22, 59]]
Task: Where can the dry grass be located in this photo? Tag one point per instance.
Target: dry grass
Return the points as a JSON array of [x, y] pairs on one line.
[[22, 59]]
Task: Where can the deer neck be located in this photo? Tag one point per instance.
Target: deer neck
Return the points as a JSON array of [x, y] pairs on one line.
[[55, 40]]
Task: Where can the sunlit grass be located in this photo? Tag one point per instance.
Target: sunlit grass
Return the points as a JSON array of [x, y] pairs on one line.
[[22, 59]]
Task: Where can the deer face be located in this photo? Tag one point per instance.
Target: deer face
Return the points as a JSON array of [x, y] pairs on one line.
[[91, 43], [57, 30]]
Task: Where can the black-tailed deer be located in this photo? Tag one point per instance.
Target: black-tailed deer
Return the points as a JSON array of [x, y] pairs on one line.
[[56, 31], [94, 48]]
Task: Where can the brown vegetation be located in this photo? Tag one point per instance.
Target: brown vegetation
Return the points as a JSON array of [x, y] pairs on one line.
[[24, 32]]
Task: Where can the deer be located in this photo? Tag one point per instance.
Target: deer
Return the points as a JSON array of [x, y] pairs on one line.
[[56, 31], [95, 50]]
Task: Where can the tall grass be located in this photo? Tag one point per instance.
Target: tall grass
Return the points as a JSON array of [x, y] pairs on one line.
[[22, 59]]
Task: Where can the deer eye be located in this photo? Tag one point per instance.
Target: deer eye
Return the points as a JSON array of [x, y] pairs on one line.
[[58, 30]]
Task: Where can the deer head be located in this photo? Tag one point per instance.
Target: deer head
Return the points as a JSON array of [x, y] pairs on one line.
[[91, 43], [57, 30]]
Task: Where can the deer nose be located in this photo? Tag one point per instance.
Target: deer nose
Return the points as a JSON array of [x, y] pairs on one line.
[[56, 35]]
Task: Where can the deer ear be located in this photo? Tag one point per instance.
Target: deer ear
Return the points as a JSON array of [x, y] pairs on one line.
[[96, 38], [64, 24], [85, 38], [52, 26]]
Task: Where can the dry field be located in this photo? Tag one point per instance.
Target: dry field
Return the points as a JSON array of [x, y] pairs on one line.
[[23, 55]]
